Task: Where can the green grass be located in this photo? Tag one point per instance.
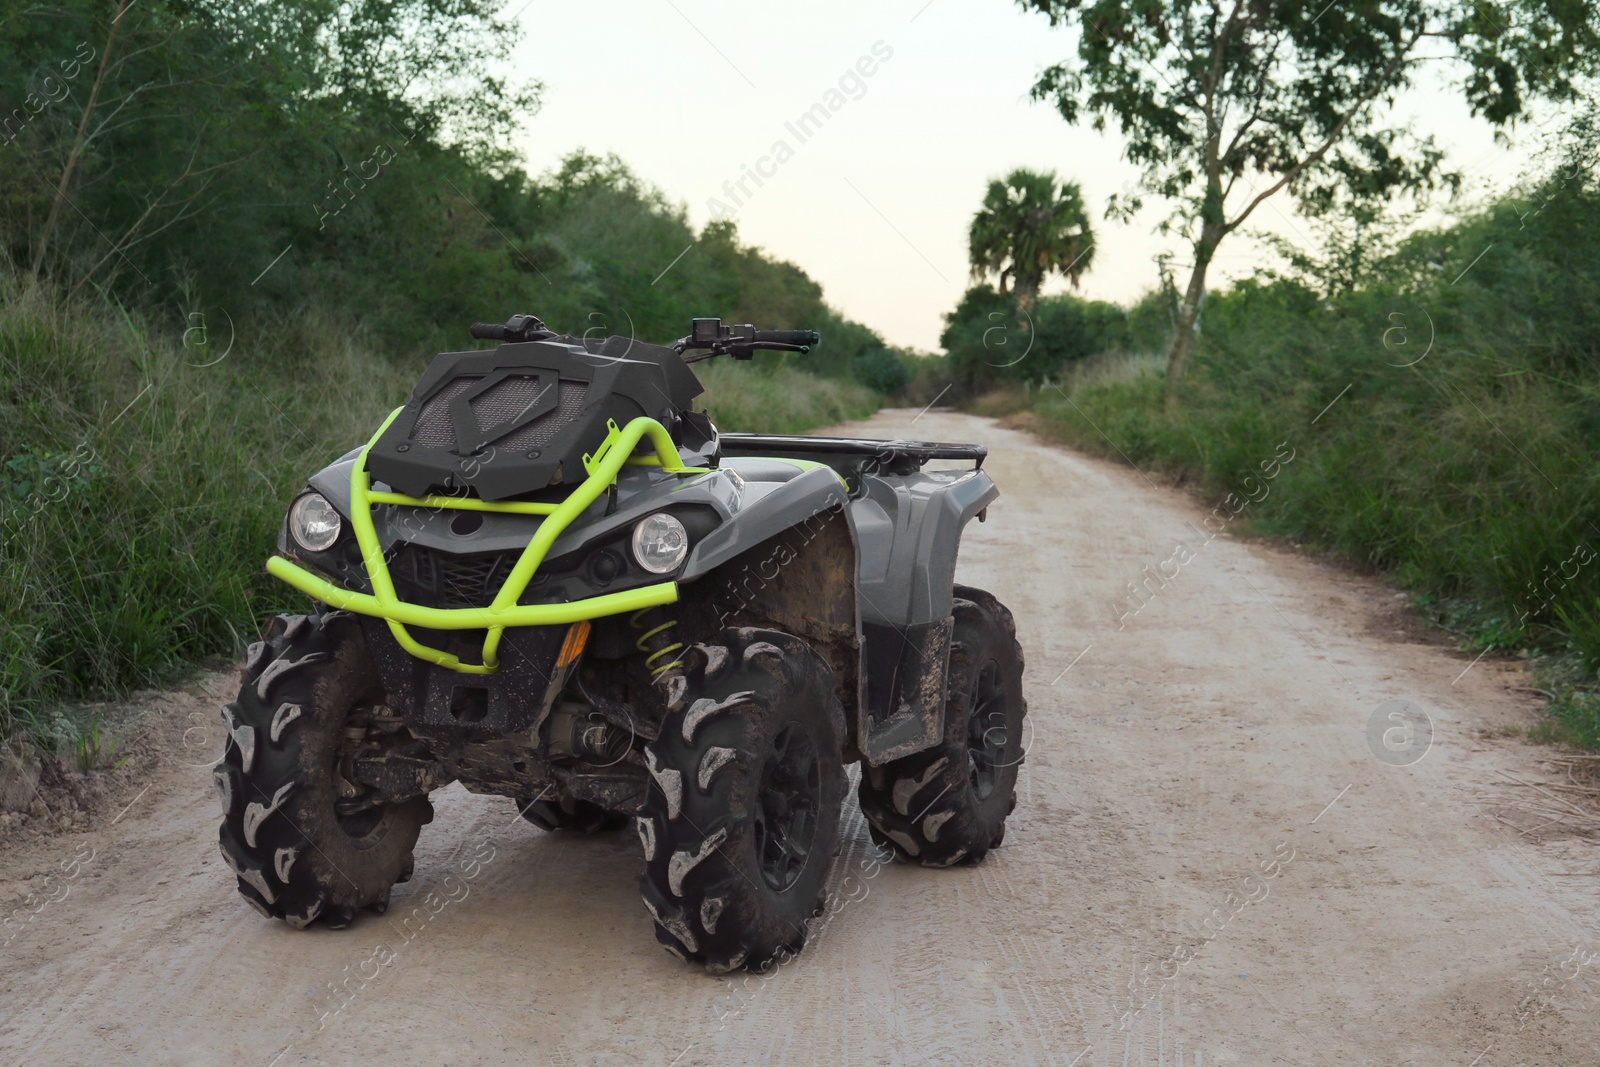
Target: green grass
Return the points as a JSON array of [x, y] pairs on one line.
[[146, 555], [779, 398], [94, 747], [141, 490], [1470, 479], [1449, 499]]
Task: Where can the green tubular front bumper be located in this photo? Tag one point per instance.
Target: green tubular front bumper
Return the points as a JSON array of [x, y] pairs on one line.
[[504, 611]]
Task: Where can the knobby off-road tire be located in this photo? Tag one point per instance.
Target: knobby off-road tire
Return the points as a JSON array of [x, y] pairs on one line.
[[740, 824], [948, 805], [575, 816], [295, 857]]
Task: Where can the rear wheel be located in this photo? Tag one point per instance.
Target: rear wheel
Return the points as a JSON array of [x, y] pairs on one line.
[[948, 805], [305, 842], [741, 822]]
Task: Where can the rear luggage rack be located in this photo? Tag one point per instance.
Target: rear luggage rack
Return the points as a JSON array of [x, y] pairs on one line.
[[887, 454]]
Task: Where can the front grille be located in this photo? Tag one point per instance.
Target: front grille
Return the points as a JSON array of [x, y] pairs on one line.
[[505, 400], [434, 427], [501, 403], [444, 580], [543, 430]]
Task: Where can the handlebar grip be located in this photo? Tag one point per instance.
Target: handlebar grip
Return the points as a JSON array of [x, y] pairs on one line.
[[789, 337], [487, 331]]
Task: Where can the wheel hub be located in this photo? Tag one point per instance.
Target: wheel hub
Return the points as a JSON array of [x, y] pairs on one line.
[[787, 803], [987, 731]]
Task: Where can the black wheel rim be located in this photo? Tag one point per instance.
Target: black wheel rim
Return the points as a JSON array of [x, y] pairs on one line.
[[787, 803], [988, 731]]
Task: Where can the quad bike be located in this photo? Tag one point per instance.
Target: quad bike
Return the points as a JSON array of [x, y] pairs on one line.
[[549, 578]]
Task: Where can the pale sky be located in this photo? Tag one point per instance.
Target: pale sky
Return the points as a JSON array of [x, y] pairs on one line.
[[875, 205]]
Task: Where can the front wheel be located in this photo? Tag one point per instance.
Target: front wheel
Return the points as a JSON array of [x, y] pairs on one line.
[[741, 822], [948, 805], [304, 841]]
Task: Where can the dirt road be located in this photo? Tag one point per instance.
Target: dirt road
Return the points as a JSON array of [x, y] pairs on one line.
[[1217, 858]]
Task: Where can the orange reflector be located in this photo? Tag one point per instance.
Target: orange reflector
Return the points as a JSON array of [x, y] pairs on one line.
[[572, 647]]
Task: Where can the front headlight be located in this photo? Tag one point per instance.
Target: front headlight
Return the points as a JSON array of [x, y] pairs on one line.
[[313, 523], [660, 543]]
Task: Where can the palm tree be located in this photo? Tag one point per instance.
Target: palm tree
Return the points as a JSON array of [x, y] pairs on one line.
[[1029, 227]]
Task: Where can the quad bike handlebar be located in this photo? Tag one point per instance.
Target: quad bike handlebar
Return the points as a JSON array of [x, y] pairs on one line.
[[516, 328], [789, 337], [743, 341], [710, 336]]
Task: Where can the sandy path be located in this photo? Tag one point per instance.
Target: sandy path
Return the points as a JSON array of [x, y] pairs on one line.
[[1206, 761]]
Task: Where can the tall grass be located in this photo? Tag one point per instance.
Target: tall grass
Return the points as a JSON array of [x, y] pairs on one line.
[[140, 490], [748, 397], [143, 480]]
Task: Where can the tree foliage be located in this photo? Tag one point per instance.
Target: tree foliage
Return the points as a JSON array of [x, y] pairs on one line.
[[991, 339], [1224, 104], [153, 143], [250, 160], [1028, 228], [1447, 418]]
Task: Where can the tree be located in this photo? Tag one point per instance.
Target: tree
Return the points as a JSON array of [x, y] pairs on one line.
[[990, 341], [1350, 248], [201, 138], [1027, 229], [1225, 104]]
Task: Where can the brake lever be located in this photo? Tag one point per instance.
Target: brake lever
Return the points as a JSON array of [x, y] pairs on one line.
[[740, 350], [744, 350]]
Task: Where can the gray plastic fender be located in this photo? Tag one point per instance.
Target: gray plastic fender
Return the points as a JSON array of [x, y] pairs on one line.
[[908, 532], [333, 481], [766, 507]]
